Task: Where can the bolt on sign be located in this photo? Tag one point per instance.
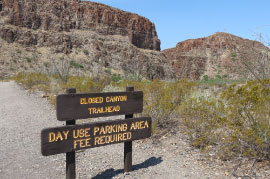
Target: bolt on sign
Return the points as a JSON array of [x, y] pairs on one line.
[[82, 106], [72, 138]]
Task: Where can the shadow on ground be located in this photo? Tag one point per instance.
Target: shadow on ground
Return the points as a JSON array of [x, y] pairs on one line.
[[110, 173]]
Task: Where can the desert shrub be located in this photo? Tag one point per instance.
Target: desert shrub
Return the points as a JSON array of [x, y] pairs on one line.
[[82, 84], [161, 98], [29, 80], [202, 117], [86, 84], [237, 121], [248, 120]]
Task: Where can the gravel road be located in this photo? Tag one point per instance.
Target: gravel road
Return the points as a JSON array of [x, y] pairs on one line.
[[24, 115]]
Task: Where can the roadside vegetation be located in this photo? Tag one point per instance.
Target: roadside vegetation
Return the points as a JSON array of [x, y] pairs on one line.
[[226, 117]]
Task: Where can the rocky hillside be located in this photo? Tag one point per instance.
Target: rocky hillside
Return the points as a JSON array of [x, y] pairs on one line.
[[46, 35], [220, 54]]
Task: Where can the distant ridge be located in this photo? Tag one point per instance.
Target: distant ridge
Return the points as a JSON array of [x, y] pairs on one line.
[[218, 54]]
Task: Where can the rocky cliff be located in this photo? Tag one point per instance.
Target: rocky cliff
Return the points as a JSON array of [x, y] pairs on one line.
[[65, 15], [35, 33], [221, 54]]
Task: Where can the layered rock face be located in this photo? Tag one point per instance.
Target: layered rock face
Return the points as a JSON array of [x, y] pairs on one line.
[[38, 34], [65, 15], [220, 54]]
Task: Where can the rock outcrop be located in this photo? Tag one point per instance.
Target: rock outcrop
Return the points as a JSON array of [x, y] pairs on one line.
[[220, 54], [36, 35], [65, 15]]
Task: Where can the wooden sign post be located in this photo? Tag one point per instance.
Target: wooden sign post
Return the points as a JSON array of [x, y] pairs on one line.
[[128, 145], [70, 156], [70, 138]]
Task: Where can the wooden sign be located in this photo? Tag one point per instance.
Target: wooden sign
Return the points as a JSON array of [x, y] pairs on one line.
[[77, 137], [82, 106]]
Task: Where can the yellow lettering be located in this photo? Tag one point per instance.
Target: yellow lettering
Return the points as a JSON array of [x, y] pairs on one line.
[[124, 136], [87, 132], [65, 134], [97, 140], [109, 109], [96, 129], [124, 98], [102, 130], [120, 137], [124, 127], [128, 135], [108, 129], [101, 140], [75, 144], [81, 133], [83, 101], [51, 137], [74, 134], [146, 124], [59, 136], [87, 142], [99, 110], [141, 125], [81, 143], [90, 110], [116, 98], [137, 125], [132, 126]]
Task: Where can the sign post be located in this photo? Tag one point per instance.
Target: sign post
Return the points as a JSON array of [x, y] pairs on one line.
[[70, 156], [128, 145]]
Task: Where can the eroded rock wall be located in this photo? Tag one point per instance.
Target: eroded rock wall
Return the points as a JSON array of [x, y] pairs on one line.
[[65, 15]]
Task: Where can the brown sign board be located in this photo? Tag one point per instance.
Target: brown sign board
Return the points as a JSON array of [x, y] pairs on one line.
[[82, 106], [77, 137]]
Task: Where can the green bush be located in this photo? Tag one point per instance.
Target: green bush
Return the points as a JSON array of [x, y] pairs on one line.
[[161, 99], [237, 121], [248, 120], [202, 118]]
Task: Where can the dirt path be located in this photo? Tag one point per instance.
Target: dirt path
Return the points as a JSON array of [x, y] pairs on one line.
[[23, 116]]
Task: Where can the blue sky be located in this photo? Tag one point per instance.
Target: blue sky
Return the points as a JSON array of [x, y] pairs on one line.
[[179, 20]]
